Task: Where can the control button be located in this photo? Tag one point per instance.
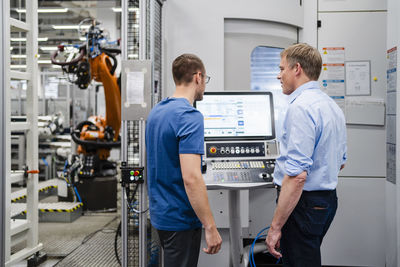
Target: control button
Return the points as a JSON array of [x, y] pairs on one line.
[[132, 178], [257, 150], [247, 150], [131, 172], [242, 150], [252, 150], [136, 173], [213, 150], [232, 151], [237, 151]]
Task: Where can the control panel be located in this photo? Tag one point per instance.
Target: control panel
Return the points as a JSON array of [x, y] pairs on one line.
[[131, 174], [239, 161], [241, 149], [240, 171], [231, 150]]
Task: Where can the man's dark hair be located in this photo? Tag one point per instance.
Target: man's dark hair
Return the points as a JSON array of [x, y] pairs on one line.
[[184, 67]]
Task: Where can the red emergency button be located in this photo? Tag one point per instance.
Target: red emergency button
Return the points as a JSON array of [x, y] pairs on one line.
[[213, 149], [136, 173]]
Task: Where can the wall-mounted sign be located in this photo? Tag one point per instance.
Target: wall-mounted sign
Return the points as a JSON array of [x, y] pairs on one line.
[[358, 78]]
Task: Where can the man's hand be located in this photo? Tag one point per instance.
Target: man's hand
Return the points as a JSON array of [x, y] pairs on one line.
[[273, 242], [213, 240]]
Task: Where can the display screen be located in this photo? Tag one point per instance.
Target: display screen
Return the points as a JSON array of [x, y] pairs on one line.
[[237, 115]]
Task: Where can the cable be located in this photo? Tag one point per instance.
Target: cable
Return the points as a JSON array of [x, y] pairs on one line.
[[115, 243], [129, 200], [251, 254]]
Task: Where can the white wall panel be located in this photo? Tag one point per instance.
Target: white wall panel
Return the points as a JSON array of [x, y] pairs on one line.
[[390, 218], [357, 234], [366, 152], [351, 5], [366, 145], [364, 37], [198, 27]]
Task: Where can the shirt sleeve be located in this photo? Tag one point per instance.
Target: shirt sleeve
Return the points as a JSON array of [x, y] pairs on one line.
[[301, 132], [191, 133]]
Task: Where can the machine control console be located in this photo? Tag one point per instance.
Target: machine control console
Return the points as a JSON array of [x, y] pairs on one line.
[[131, 174], [240, 171], [235, 150]]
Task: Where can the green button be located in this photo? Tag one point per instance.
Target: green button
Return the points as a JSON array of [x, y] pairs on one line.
[[132, 172]]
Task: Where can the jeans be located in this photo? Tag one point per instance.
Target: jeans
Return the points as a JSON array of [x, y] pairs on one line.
[[306, 227]]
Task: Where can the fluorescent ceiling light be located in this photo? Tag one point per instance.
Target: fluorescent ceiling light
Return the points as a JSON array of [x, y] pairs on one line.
[[82, 38], [48, 48], [23, 39], [18, 56], [133, 56], [46, 10], [70, 27], [119, 9], [17, 66], [44, 61]]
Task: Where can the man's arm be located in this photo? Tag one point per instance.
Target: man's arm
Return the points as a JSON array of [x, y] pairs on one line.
[[292, 187], [197, 194]]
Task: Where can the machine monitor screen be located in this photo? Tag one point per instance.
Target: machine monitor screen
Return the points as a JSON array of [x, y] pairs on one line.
[[237, 115]]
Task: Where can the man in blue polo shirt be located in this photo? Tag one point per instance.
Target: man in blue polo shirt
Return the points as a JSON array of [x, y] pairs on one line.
[[313, 151], [177, 192]]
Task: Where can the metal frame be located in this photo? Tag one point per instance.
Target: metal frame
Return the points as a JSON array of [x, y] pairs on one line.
[[3, 123], [146, 42], [19, 230]]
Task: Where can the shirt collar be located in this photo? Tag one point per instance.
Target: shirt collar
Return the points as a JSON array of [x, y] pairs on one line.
[[305, 86]]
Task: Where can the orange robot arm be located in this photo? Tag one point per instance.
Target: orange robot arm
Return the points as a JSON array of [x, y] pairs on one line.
[[100, 70]]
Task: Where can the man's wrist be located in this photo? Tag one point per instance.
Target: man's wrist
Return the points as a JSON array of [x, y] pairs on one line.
[[275, 227], [210, 227]]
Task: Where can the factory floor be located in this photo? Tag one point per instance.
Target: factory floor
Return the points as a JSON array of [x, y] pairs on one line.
[[87, 241]]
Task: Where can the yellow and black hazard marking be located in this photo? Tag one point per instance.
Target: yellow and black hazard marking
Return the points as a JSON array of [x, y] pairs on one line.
[[47, 188], [63, 210], [18, 198], [40, 190]]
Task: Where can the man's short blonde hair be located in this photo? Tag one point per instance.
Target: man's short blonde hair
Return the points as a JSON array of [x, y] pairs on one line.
[[307, 56]]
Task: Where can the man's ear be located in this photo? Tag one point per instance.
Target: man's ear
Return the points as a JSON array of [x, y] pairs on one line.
[[298, 68]]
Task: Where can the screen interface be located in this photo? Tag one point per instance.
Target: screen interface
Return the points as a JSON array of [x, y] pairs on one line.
[[237, 115]]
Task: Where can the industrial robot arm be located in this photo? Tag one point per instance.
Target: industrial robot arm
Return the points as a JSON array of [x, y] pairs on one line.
[[94, 61]]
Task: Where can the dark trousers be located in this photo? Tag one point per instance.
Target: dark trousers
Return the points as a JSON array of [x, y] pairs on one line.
[[306, 227], [181, 248]]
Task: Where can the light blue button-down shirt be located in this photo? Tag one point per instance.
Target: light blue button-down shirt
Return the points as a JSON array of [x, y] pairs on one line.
[[313, 139]]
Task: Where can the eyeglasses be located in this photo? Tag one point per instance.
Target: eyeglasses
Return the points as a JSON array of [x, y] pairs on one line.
[[206, 77]]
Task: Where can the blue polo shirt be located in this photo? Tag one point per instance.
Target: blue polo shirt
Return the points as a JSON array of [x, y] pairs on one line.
[[313, 140], [173, 127]]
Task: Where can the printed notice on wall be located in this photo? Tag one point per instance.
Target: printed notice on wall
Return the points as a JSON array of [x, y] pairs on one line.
[[333, 54], [391, 104], [391, 163], [333, 75], [358, 78], [392, 69], [135, 87]]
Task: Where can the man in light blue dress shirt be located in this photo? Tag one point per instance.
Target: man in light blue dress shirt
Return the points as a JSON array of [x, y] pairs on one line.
[[313, 151]]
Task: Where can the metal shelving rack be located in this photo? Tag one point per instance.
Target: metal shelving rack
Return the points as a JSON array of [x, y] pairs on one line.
[[22, 230]]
